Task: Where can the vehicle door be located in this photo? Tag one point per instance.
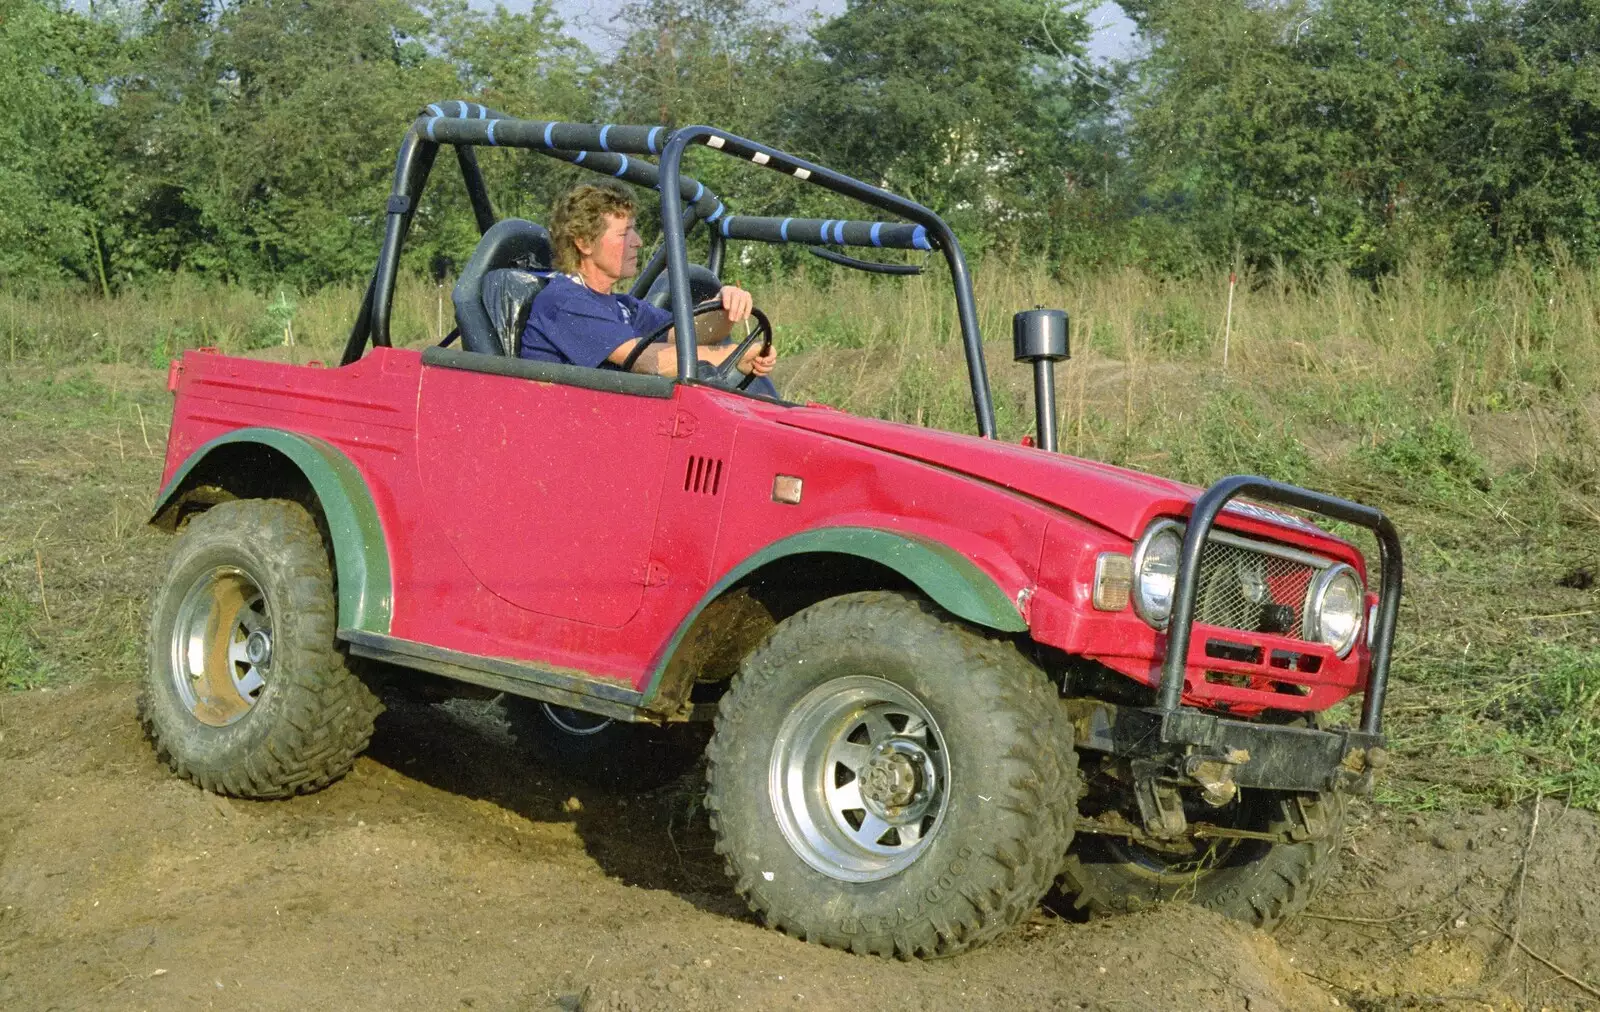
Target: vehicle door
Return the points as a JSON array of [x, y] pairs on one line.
[[548, 491]]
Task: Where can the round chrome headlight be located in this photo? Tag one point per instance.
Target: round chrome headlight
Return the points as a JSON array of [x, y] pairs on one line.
[[1333, 609], [1155, 572]]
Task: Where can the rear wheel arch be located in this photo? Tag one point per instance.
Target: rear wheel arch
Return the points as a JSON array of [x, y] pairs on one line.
[[809, 567], [262, 463]]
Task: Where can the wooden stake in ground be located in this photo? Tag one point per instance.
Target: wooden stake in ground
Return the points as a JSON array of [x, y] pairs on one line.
[[1522, 878], [38, 568], [1227, 323], [143, 433]]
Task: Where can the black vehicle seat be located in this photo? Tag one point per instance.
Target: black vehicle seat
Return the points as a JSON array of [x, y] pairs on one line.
[[498, 284]]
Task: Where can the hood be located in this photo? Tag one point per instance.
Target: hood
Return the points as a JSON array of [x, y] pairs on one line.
[[1115, 498]]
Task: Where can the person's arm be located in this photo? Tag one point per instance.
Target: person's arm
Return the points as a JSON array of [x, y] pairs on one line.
[[661, 358]]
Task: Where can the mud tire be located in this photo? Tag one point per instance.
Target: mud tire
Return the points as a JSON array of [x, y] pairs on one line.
[[618, 756], [313, 717], [1011, 794], [1259, 883]]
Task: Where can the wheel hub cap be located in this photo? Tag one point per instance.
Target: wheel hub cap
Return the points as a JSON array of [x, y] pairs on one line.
[[221, 646], [892, 779], [258, 647], [859, 778]]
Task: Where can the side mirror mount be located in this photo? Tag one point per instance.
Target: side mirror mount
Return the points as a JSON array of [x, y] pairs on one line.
[[1039, 335]]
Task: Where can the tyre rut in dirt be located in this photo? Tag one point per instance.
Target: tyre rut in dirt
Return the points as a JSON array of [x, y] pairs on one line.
[[606, 753], [1260, 883], [886, 779], [244, 690]]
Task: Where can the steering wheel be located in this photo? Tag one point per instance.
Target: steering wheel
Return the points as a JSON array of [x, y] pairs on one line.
[[719, 374]]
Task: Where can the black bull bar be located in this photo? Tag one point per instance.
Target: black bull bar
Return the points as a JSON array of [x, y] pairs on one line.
[[1176, 743]]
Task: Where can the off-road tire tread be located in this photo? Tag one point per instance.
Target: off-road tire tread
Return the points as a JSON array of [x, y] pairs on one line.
[[329, 713], [1045, 798], [1291, 874]]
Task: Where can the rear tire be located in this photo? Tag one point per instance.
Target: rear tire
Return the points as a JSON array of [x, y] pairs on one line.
[[244, 692], [888, 780]]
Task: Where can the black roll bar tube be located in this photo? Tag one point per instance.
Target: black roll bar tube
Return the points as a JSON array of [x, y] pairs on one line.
[[412, 166], [1206, 510], [827, 231], [939, 233], [482, 208]]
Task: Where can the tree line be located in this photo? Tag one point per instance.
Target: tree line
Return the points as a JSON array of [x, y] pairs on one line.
[[253, 140]]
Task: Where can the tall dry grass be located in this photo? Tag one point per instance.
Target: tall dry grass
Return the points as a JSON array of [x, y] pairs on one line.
[[1501, 343]]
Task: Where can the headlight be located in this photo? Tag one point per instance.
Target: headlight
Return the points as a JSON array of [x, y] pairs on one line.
[[1333, 609], [1155, 572]]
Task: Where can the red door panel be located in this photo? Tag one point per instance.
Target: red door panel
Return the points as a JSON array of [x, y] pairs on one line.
[[547, 492]]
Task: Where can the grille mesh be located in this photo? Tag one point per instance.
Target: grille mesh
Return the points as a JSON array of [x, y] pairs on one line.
[[1251, 591]]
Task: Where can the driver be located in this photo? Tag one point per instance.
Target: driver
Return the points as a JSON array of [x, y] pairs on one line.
[[578, 320]]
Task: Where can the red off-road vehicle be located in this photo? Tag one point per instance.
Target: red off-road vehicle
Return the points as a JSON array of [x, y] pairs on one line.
[[943, 672]]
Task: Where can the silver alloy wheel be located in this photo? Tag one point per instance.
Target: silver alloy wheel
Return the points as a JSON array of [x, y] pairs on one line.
[[575, 722], [859, 778], [221, 646]]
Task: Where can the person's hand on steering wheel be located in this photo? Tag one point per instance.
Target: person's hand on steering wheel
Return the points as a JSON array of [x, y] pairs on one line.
[[736, 303], [758, 361]]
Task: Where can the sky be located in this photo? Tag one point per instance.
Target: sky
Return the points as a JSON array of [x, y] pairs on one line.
[[588, 21]]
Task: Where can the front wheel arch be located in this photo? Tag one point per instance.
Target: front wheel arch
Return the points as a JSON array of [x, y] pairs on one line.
[[805, 569]]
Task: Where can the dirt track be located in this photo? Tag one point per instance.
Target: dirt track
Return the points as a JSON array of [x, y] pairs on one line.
[[446, 872]]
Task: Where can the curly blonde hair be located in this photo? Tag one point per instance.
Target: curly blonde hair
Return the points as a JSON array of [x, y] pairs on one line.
[[582, 213]]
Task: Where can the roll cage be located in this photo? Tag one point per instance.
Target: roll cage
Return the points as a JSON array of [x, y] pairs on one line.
[[621, 151]]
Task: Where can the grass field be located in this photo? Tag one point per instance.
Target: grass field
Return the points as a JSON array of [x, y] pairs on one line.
[[1469, 411]]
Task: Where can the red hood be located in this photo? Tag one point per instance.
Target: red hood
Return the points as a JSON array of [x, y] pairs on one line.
[[1115, 498]]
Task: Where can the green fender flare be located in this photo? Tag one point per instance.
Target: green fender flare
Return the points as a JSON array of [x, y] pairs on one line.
[[360, 553], [950, 579]]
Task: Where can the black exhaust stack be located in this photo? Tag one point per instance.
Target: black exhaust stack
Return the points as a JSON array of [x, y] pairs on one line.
[[1039, 336]]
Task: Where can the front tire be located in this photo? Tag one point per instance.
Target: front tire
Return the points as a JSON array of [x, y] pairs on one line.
[[244, 692], [885, 779]]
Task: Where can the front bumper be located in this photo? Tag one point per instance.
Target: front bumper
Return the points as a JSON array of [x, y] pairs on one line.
[[1199, 749]]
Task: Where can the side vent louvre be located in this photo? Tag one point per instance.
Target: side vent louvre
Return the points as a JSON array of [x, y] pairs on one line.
[[703, 476]]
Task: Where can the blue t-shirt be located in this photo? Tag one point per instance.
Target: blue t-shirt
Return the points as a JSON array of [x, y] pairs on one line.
[[571, 323], [574, 324]]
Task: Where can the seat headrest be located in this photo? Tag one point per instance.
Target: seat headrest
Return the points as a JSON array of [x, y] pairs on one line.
[[703, 286]]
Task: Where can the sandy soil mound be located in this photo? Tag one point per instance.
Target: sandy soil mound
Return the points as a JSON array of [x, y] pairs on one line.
[[447, 872]]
